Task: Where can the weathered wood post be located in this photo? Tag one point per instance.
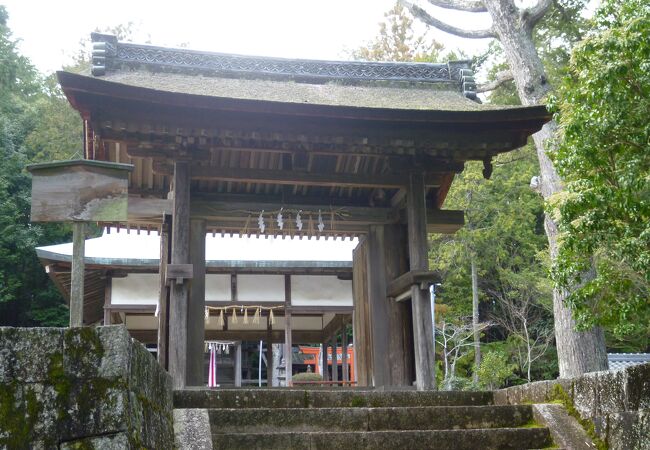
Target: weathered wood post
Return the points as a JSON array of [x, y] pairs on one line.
[[335, 365], [323, 356], [196, 308], [420, 300], [79, 191], [288, 354], [178, 274], [163, 295]]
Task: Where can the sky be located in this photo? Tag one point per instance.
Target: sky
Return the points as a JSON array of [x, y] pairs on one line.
[[50, 32]]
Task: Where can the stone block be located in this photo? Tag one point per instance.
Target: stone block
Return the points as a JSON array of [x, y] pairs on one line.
[[638, 387], [192, 429], [565, 430], [82, 352], [117, 441], [501, 397], [25, 353], [585, 394], [628, 430], [611, 392], [116, 342]]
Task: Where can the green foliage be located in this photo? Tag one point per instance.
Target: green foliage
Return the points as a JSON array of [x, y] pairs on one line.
[[307, 376], [494, 370], [29, 131], [604, 157]]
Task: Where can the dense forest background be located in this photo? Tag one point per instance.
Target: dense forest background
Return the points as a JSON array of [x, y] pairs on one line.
[[494, 313]]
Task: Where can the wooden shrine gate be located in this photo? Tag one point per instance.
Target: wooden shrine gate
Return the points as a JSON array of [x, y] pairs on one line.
[[247, 145]]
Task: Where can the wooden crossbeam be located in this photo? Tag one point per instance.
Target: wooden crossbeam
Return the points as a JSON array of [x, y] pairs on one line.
[[403, 283], [394, 180]]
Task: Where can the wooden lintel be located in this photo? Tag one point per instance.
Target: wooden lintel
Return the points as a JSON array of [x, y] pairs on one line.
[[403, 283], [298, 177]]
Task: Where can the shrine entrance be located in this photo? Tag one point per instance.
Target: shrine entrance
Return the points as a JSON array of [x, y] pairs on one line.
[[227, 144]]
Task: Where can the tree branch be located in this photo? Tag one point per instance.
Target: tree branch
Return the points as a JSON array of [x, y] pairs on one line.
[[501, 78], [460, 5], [429, 20], [530, 16]]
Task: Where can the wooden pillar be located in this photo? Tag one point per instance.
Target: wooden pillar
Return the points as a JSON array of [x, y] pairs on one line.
[[196, 307], [107, 300], [335, 364], [77, 274], [420, 302], [269, 354], [179, 293], [163, 294], [288, 354], [344, 355], [378, 306], [323, 357], [238, 364]]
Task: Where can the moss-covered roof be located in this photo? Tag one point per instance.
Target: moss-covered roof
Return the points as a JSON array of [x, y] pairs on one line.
[[381, 94]]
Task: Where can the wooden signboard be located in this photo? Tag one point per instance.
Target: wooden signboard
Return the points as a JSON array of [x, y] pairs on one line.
[[80, 191]]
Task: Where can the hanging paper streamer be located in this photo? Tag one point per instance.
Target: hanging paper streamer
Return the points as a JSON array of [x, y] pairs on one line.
[[256, 316], [220, 321], [234, 316], [260, 222], [245, 316], [280, 219], [271, 318], [321, 225], [299, 221], [207, 315]]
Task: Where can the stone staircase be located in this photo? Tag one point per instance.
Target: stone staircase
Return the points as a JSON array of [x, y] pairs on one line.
[[352, 419]]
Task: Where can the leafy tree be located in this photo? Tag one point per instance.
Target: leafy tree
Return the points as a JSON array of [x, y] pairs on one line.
[[396, 41], [514, 27], [27, 297], [604, 157], [494, 370]]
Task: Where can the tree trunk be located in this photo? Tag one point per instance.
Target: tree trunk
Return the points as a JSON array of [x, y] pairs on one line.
[[477, 334], [578, 352]]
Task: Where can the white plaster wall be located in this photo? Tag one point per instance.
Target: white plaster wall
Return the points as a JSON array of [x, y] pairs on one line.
[[260, 288], [320, 290], [217, 287], [141, 322], [135, 289]]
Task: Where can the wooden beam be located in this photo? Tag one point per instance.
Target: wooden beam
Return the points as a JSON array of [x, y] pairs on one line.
[[420, 302], [423, 278], [238, 364], [196, 307], [378, 305], [335, 364], [223, 211], [288, 358], [301, 177], [179, 292], [107, 301], [163, 293], [344, 355], [78, 270]]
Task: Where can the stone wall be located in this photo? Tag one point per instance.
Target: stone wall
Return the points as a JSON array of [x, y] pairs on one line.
[[85, 388], [616, 404]]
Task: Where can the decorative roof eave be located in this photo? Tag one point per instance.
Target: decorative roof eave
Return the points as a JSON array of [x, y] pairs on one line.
[[78, 88], [47, 257]]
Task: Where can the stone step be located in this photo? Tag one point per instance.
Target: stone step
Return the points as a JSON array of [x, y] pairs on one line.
[[299, 398], [485, 439], [242, 420]]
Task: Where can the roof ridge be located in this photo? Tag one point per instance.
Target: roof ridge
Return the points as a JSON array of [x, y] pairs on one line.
[[110, 55]]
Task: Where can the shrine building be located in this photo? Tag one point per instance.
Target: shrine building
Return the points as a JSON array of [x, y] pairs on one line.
[[225, 144]]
